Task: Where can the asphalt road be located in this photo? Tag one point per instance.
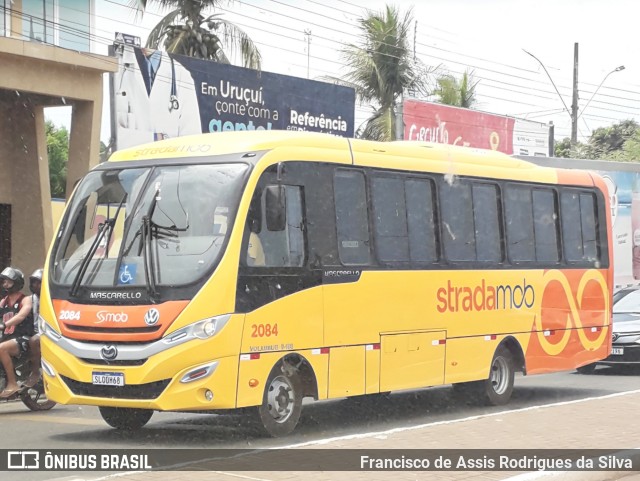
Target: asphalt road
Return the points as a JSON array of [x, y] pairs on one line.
[[81, 427]]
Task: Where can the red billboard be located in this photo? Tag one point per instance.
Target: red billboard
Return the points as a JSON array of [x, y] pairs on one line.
[[443, 124]]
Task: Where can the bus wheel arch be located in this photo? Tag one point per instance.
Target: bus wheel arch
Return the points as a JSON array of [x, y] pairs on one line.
[[306, 372], [519, 361], [497, 388], [291, 379]]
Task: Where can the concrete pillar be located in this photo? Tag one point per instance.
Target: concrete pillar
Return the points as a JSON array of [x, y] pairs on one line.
[[84, 142], [6, 134], [31, 229]]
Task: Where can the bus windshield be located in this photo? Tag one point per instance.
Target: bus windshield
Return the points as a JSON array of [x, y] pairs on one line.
[[155, 226]]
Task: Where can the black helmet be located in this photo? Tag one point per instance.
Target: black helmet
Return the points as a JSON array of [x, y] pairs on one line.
[[14, 275]]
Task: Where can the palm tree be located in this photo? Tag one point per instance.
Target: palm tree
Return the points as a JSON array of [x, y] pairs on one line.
[[459, 93], [382, 68], [186, 31]]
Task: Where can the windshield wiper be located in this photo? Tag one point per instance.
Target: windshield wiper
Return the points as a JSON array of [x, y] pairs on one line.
[[104, 228], [147, 232], [147, 256]]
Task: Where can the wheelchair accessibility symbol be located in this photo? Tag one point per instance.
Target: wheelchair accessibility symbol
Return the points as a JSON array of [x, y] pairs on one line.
[[127, 274]]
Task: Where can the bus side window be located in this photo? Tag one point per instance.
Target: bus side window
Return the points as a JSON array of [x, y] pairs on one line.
[[351, 217], [278, 248]]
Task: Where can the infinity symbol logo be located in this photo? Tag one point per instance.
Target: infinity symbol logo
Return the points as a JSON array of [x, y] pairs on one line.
[[576, 306]]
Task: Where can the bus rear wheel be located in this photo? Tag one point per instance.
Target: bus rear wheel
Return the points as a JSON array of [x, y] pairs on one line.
[[127, 419], [496, 390], [499, 386], [282, 402]]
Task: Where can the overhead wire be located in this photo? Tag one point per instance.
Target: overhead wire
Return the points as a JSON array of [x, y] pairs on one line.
[[107, 41]]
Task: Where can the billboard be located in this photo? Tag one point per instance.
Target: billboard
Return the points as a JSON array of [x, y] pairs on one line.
[[444, 124], [624, 194], [157, 95]]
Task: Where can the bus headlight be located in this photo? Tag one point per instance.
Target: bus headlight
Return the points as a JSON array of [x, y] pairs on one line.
[[203, 329]]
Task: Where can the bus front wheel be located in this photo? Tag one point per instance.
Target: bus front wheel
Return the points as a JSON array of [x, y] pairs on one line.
[[128, 419], [282, 402]]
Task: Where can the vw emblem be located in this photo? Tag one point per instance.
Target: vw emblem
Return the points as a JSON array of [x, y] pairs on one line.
[[152, 317], [109, 353], [615, 336]]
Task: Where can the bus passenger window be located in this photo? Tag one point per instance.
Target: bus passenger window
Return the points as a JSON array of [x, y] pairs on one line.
[[351, 217], [518, 209], [456, 208], [579, 226], [545, 225]]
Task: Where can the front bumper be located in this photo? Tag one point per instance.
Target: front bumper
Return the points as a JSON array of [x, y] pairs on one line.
[[156, 383], [630, 355]]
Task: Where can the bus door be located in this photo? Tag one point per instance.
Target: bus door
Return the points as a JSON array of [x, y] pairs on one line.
[[275, 283]]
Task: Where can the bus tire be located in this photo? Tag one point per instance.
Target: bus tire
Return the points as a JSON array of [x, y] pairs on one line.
[[587, 369], [127, 419], [499, 386], [282, 402]]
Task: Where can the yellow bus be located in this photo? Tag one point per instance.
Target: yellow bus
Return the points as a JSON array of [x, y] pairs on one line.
[[254, 269]]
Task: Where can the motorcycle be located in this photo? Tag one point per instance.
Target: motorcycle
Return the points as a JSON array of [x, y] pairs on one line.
[[33, 397]]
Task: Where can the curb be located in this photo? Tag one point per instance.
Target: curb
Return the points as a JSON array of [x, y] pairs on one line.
[[573, 475]]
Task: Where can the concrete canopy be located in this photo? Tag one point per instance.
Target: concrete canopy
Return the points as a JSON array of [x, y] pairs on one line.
[[34, 76]]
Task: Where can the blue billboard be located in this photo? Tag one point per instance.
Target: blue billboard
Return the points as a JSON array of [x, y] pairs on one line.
[[158, 96]]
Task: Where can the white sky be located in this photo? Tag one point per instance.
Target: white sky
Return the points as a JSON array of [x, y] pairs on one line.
[[487, 36]]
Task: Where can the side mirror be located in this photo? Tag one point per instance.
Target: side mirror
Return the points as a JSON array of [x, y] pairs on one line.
[[275, 207]]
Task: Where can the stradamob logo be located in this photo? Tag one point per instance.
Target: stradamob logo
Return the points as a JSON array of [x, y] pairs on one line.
[[23, 460]]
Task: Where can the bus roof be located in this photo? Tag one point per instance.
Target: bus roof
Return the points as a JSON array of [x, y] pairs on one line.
[[250, 141], [409, 154], [222, 143]]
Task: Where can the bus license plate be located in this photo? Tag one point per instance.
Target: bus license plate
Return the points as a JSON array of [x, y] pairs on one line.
[[617, 351], [108, 378]]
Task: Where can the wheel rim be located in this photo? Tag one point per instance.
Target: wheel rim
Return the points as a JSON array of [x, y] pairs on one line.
[[499, 375], [280, 399]]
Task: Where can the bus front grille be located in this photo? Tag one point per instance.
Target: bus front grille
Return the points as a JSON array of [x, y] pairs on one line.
[[149, 390], [124, 362], [117, 330]]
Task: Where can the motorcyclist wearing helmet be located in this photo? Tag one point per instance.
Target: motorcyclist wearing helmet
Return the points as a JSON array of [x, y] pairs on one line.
[[16, 317], [35, 283]]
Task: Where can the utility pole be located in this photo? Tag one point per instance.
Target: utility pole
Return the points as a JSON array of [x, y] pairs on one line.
[[574, 105]]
